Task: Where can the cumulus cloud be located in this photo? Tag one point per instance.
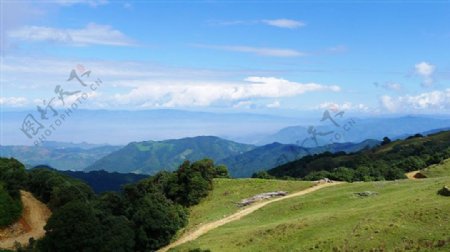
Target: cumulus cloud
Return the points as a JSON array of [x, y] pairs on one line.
[[92, 34], [13, 101], [138, 85], [343, 106], [207, 93], [435, 101], [284, 23], [262, 51], [389, 103], [426, 71]]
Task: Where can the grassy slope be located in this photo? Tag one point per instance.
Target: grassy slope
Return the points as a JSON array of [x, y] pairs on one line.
[[10, 209], [438, 170], [405, 214], [222, 200]]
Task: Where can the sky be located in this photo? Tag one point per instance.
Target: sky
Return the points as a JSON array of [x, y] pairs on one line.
[[234, 56]]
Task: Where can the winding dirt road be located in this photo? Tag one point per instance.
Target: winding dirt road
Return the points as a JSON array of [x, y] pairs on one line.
[[30, 225], [203, 229]]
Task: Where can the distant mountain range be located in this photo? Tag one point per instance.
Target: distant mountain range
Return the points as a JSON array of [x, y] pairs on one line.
[[242, 160], [150, 157], [63, 156], [275, 154], [356, 130], [120, 127], [289, 144]]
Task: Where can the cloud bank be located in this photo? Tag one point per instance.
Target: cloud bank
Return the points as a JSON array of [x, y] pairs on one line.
[[92, 34]]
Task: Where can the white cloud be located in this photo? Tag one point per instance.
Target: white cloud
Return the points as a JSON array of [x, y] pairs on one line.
[[139, 84], [13, 101], [262, 51], [389, 103], [435, 100], [244, 104], [426, 71], [284, 23], [275, 104], [92, 34], [343, 106], [92, 3], [280, 23], [424, 68], [206, 93]]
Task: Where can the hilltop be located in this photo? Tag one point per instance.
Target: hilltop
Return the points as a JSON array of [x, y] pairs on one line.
[[388, 161], [271, 155], [150, 157]]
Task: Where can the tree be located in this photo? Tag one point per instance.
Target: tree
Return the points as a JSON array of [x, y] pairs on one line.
[[56, 189], [385, 141], [155, 220], [73, 227], [343, 174], [394, 173], [262, 175], [13, 175], [221, 172], [316, 175], [117, 234]]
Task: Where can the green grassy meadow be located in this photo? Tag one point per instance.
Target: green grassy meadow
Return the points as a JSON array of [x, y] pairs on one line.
[[222, 200], [438, 170], [404, 215]]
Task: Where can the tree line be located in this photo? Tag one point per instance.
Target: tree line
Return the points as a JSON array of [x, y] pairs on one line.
[[143, 216], [389, 161]]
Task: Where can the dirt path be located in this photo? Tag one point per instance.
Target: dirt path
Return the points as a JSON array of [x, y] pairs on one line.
[[236, 216], [31, 224], [415, 175]]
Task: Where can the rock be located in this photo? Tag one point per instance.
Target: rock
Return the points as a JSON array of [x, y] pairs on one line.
[[324, 180], [258, 197], [445, 191], [366, 194]]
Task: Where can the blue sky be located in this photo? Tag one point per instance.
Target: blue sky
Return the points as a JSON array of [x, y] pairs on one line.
[[371, 58]]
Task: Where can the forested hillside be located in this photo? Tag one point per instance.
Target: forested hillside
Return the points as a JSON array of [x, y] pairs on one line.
[[389, 161], [271, 155], [102, 181], [151, 157], [143, 216]]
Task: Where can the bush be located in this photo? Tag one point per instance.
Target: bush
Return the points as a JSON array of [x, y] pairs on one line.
[[445, 191], [262, 175], [73, 227], [222, 172], [155, 221], [10, 209], [13, 176]]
